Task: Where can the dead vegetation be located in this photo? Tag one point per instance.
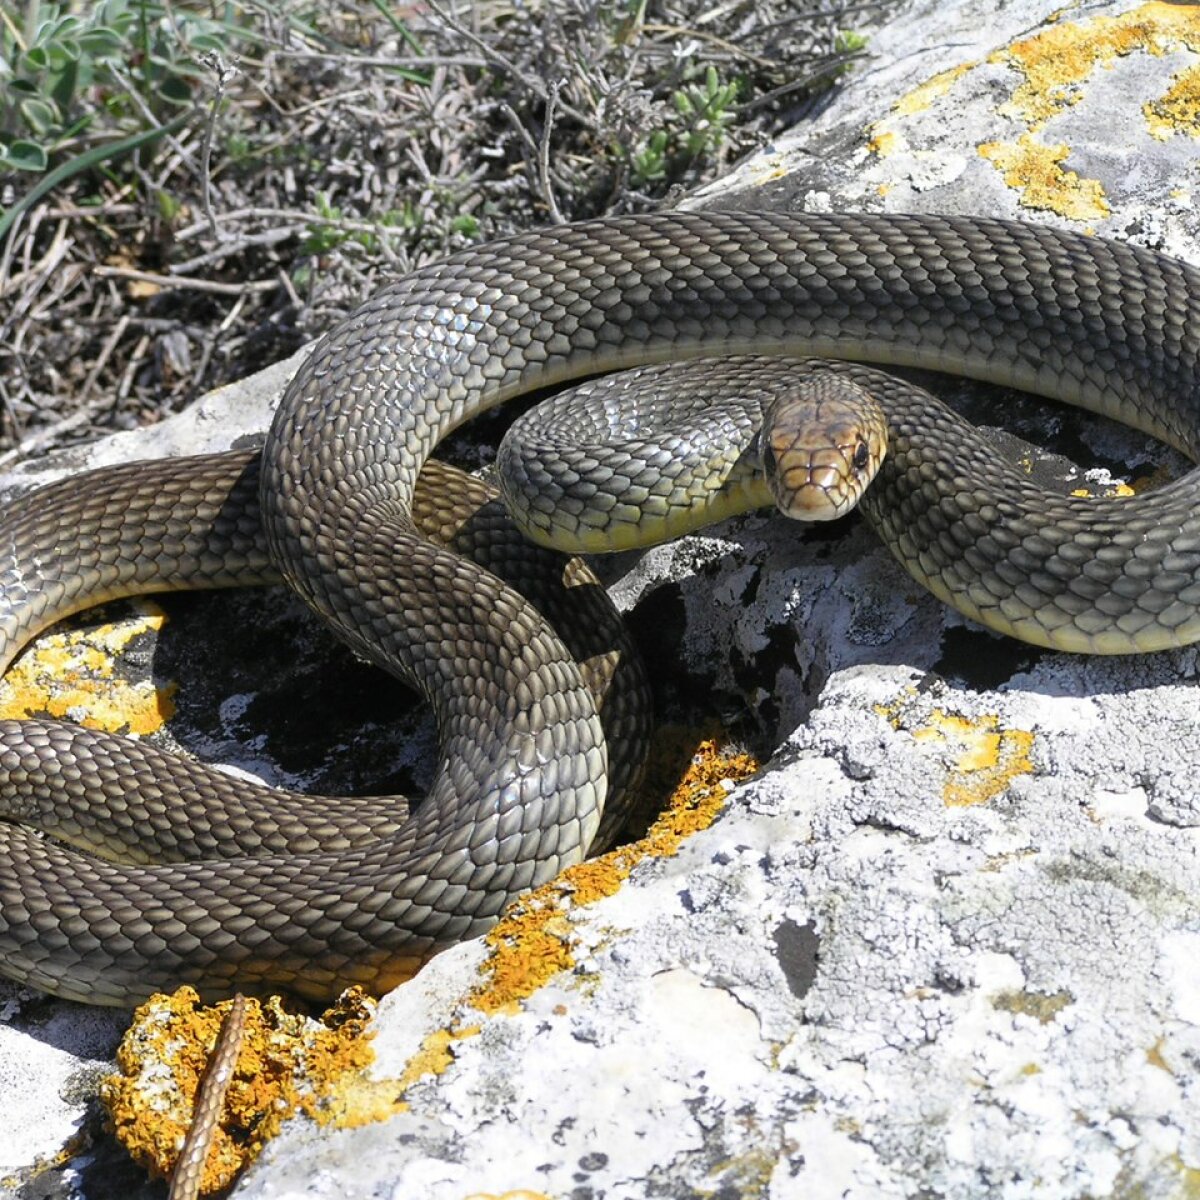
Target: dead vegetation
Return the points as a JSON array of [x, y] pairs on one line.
[[222, 183]]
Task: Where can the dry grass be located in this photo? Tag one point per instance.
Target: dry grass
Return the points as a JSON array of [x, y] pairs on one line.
[[324, 153]]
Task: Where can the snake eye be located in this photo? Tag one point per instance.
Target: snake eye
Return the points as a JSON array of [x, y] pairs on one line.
[[862, 456]]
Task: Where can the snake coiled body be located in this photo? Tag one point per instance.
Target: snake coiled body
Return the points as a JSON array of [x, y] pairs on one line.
[[523, 781]]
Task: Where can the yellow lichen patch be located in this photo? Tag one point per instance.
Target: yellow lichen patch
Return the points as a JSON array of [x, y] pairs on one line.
[[1189, 1178], [519, 1194], [1054, 64], [749, 1174], [1154, 1056], [71, 674], [1178, 109], [988, 757], [882, 143], [1052, 68], [1035, 171], [288, 1063], [534, 939], [770, 170], [1056, 61], [434, 1056], [1120, 489], [1041, 1005], [922, 96]]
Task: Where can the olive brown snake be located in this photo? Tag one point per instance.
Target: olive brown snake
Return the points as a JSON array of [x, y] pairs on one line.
[[523, 771]]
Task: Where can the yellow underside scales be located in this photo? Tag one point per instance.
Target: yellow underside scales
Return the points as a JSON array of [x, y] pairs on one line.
[[659, 520]]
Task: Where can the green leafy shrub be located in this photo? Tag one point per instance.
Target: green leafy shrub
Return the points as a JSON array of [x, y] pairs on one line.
[[703, 112], [131, 62]]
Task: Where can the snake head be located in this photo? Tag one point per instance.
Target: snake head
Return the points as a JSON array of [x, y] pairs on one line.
[[821, 445]]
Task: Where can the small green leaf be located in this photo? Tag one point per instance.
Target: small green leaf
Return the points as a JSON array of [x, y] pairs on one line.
[[35, 59], [63, 84], [175, 90], [39, 116], [169, 206], [209, 42], [25, 156], [63, 52], [100, 41], [67, 27]]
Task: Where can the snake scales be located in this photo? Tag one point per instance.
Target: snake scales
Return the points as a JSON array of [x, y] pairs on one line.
[[523, 777]]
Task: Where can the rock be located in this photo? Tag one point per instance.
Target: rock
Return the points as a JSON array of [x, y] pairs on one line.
[[945, 943]]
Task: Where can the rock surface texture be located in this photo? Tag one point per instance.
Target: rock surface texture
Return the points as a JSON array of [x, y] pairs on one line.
[[946, 944]]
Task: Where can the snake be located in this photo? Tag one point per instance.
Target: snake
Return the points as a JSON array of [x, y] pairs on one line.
[[522, 782]]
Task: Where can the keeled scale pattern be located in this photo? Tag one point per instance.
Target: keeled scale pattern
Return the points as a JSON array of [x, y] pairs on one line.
[[523, 778]]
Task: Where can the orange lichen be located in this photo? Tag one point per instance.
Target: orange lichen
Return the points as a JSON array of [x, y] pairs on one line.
[[1054, 64], [1178, 109], [288, 1063], [1052, 68], [769, 170], [1057, 60], [534, 940], [922, 96], [1034, 170], [988, 757], [882, 143], [1154, 1056], [518, 1194], [1120, 489], [70, 673], [291, 1064], [435, 1055]]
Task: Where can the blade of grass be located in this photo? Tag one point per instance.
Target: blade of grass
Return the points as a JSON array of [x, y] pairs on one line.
[[406, 34], [84, 162]]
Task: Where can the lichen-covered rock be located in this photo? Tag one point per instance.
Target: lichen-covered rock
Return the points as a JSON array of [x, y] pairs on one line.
[[1088, 114], [945, 943]]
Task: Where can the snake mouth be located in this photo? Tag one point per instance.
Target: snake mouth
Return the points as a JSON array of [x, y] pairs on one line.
[[823, 498], [820, 484]]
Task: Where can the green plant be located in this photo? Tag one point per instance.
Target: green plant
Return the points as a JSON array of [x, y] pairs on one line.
[[707, 111], [849, 42], [321, 236], [331, 228], [702, 112], [116, 63]]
